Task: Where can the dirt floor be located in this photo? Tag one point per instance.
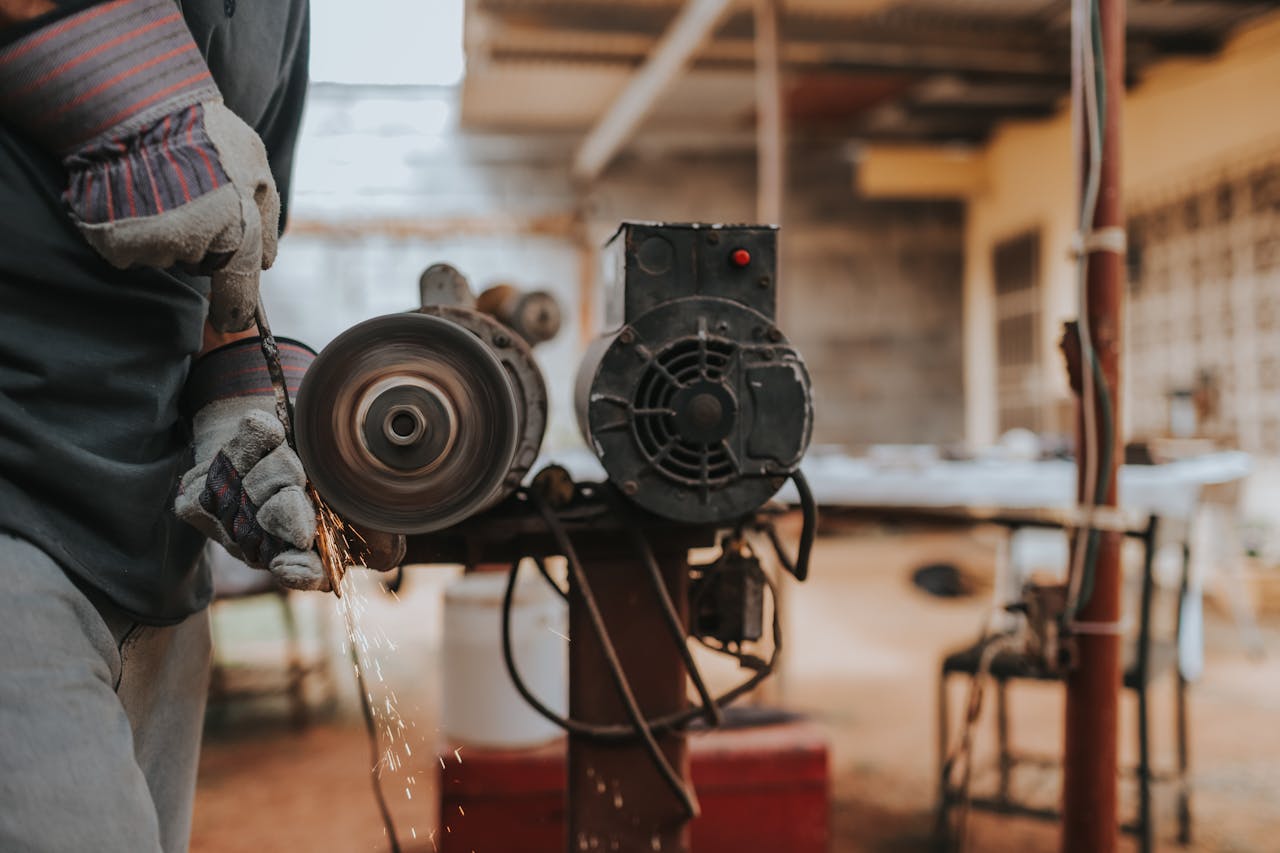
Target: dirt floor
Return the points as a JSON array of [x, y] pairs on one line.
[[864, 647]]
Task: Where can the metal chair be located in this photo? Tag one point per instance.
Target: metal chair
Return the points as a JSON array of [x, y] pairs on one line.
[[1145, 660]]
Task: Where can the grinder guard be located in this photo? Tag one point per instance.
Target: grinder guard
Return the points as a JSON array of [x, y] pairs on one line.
[[407, 423]]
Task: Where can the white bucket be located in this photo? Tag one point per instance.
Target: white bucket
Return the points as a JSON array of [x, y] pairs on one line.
[[480, 706]]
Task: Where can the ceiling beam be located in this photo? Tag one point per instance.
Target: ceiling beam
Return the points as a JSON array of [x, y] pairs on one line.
[[515, 42], [692, 26]]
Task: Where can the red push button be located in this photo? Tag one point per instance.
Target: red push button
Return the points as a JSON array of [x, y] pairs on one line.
[[740, 257]]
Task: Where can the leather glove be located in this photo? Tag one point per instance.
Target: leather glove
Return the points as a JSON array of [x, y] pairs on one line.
[[247, 489], [159, 171]]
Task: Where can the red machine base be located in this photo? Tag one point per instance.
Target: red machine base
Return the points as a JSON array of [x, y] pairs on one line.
[[761, 789]]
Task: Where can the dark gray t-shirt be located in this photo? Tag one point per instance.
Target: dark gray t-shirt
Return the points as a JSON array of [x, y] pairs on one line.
[[93, 360]]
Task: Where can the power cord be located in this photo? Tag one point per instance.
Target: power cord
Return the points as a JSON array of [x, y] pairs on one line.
[[617, 733], [641, 726], [1097, 450], [677, 630]]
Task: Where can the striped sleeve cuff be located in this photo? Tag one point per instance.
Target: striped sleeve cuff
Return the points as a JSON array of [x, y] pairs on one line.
[[102, 73], [239, 370], [163, 167]]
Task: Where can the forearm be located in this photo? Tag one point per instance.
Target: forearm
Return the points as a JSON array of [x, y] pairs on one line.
[[20, 11]]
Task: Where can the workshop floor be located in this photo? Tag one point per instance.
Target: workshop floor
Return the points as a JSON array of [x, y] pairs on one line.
[[863, 653]]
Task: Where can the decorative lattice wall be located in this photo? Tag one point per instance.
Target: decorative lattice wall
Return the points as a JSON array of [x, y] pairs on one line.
[[1204, 304]]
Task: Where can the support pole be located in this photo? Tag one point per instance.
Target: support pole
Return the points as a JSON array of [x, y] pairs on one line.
[[770, 134], [617, 799], [694, 24], [1092, 716]]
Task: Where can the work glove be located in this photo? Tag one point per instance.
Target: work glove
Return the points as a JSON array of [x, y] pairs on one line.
[[247, 489], [160, 172]]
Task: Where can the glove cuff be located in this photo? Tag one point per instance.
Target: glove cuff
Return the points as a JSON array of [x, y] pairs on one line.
[[238, 370], [102, 73]]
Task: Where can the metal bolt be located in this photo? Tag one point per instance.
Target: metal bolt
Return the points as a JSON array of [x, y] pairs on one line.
[[630, 487], [501, 340], [766, 354], [627, 336], [775, 334], [722, 326], [764, 281]]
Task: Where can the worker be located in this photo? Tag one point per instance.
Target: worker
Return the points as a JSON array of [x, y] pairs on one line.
[[144, 145]]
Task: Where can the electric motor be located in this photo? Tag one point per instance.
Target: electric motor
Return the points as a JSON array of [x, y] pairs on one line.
[[697, 406]]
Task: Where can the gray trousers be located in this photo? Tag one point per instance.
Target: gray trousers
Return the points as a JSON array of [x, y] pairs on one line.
[[100, 717]]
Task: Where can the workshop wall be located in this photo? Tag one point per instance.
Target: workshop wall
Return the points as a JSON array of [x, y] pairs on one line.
[[1190, 127], [387, 184]]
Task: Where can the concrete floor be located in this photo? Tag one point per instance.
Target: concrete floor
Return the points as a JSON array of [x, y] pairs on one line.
[[864, 647]]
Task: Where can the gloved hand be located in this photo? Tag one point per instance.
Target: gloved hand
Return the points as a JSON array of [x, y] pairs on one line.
[[160, 172], [247, 489]]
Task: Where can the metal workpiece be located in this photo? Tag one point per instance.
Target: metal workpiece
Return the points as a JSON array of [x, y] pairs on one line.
[[698, 406], [408, 423]]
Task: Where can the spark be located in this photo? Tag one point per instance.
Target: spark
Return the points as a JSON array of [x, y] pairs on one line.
[[461, 812], [333, 542], [558, 634], [457, 753]]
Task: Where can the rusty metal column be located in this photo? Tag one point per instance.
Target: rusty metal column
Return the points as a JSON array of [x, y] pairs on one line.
[[617, 799], [1089, 822]]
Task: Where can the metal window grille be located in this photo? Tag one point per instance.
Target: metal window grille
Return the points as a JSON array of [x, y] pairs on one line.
[[1204, 307], [1019, 366]]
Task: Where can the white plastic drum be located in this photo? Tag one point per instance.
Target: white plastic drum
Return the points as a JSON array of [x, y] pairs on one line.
[[480, 707]]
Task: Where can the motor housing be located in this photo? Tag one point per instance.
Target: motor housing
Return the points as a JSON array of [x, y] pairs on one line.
[[697, 406]]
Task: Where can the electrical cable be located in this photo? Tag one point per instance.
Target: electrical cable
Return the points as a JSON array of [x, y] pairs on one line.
[[546, 575], [371, 729], [678, 631], [1087, 52], [617, 733], [809, 528], [682, 791], [799, 567]]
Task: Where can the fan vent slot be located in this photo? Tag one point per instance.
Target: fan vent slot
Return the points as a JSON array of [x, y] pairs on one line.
[[683, 363]]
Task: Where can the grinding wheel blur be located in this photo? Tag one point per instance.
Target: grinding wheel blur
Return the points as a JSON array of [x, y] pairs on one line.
[[413, 348]]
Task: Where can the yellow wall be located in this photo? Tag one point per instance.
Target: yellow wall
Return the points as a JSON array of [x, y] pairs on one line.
[[1186, 119]]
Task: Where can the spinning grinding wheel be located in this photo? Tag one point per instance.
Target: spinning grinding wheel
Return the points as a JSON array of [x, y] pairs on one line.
[[407, 423]]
